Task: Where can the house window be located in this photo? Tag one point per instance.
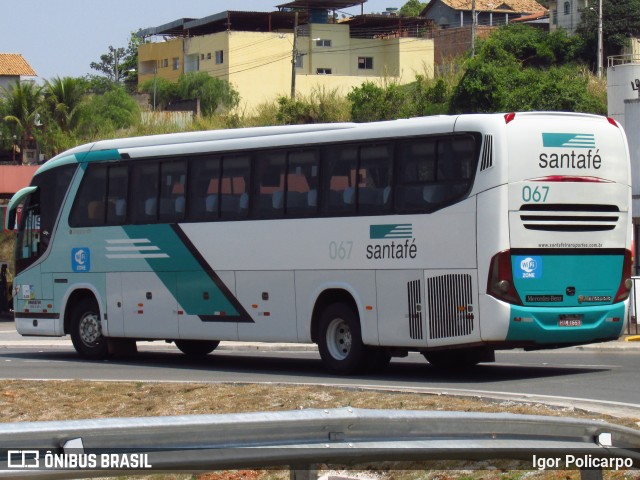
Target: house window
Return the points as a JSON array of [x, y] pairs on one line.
[[299, 62], [175, 63], [219, 57], [209, 56], [323, 71], [365, 63], [165, 63], [323, 42], [567, 8]]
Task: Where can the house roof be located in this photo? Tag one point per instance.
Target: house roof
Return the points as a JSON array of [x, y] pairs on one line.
[[517, 6], [13, 64], [322, 4], [227, 20]]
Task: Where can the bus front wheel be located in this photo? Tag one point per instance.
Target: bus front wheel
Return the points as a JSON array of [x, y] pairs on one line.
[[86, 330], [339, 340], [197, 348]]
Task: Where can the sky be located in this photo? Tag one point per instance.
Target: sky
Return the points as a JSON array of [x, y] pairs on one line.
[[60, 38]]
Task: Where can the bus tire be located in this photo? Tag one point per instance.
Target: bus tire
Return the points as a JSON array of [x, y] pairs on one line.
[[339, 341], [378, 359], [197, 348], [86, 330]]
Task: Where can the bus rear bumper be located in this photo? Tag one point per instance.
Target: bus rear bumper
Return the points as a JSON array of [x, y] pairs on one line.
[[38, 324], [553, 326]]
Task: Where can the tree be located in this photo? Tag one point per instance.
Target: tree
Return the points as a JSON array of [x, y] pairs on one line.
[[161, 91], [620, 22], [22, 106], [62, 97], [519, 69], [412, 8], [212, 92], [370, 102], [103, 115], [120, 65]]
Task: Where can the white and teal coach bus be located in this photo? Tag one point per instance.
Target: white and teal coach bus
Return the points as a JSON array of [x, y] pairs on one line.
[[452, 236]]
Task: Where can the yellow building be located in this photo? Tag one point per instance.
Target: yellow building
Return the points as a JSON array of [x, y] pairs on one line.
[[254, 51]]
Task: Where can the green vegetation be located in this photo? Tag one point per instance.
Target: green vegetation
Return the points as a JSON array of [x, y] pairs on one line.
[[521, 68], [214, 94]]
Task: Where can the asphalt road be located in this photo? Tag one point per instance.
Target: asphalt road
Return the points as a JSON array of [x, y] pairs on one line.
[[604, 378]]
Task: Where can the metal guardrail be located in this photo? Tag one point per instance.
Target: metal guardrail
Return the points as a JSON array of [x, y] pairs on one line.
[[303, 439]]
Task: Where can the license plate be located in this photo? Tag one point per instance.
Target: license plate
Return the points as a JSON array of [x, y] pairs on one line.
[[570, 321]]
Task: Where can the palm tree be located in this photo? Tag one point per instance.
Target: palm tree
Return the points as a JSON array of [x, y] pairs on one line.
[[22, 101], [63, 97]]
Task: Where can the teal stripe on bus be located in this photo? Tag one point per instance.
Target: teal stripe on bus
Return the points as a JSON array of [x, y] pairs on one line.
[[195, 286], [100, 155]]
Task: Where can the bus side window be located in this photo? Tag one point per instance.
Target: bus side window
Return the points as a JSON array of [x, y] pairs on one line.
[[268, 198], [374, 178], [143, 205], [435, 172], [456, 166], [339, 179], [117, 183], [416, 173], [302, 183], [234, 187], [89, 206], [203, 191], [173, 181]]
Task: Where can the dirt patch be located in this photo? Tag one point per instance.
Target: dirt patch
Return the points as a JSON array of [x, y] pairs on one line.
[[27, 401]]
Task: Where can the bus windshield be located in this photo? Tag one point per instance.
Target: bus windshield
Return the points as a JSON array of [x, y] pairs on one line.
[[39, 213]]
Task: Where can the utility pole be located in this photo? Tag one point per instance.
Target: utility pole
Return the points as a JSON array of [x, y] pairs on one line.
[[599, 38], [155, 83], [294, 57], [473, 28]]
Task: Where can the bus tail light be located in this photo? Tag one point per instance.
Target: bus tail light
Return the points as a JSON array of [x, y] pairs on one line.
[[625, 282], [500, 284]]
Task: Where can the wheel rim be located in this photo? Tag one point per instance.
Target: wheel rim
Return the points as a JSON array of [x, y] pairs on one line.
[[339, 339], [90, 329]]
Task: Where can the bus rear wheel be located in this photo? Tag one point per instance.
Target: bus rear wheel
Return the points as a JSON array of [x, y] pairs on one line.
[[339, 340], [197, 348], [86, 330]]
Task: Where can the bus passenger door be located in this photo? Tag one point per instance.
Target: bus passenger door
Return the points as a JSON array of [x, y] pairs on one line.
[[150, 307], [401, 319], [269, 298]]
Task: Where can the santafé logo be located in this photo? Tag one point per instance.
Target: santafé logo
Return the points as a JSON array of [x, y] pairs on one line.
[[578, 152], [569, 140]]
